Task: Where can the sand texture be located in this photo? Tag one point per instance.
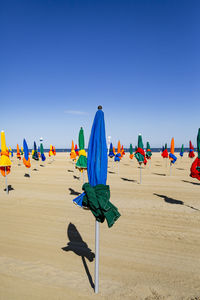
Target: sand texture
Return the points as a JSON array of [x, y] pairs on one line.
[[47, 243]]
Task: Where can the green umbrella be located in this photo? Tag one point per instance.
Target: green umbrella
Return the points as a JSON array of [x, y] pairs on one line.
[[140, 155], [148, 151], [131, 149], [82, 160]]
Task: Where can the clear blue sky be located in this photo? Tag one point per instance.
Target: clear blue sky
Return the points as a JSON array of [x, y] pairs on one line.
[[139, 59]]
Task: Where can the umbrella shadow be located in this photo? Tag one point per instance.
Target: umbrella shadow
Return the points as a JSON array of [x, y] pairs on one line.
[[174, 201], [159, 174], [70, 171], [195, 183], [42, 166], [76, 177], [80, 248], [180, 169], [35, 169], [27, 175], [10, 188], [126, 179], [110, 172], [73, 192], [158, 165]]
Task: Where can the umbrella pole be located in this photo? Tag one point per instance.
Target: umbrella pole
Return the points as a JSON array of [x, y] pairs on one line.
[[118, 168], [96, 287], [6, 181], [166, 163], [170, 169], [83, 176], [140, 174]]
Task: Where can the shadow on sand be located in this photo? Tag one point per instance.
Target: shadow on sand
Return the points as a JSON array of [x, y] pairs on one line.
[[70, 171], [195, 183], [76, 177], [80, 248], [27, 175], [73, 192], [10, 188], [174, 201], [159, 174], [126, 179]]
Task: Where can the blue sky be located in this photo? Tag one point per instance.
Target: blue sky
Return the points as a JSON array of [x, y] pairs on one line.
[[139, 59]]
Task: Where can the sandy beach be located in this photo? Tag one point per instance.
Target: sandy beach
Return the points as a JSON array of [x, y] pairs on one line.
[[151, 252]]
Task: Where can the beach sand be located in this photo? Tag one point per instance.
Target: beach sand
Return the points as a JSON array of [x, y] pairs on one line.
[[151, 252]]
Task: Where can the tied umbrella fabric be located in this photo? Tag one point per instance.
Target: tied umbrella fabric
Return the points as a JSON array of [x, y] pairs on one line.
[[11, 151], [18, 153], [191, 150], [118, 155], [82, 160], [96, 193], [26, 158], [131, 151], [43, 157], [76, 150], [165, 153], [182, 151], [122, 151], [195, 168], [72, 153], [35, 153], [172, 157], [5, 162], [139, 153], [51, 151], [111, 153], [148, 151]]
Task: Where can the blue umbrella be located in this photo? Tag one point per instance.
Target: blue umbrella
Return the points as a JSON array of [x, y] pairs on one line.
[[26, 152], [97, 193], [111, 153]]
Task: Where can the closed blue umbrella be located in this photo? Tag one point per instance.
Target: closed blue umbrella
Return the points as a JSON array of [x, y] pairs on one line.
[[26, 152], [97, 193], [111, 153], [26, 158]]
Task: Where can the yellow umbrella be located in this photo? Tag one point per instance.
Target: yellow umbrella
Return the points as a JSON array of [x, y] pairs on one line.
[[5, 162], [51, 150]]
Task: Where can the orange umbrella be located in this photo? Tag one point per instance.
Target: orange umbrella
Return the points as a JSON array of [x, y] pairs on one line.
[[73, 153], [172, 157], [114, 150], [18, 153]]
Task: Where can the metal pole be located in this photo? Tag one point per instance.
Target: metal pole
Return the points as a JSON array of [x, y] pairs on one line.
[[83, 176], [96, 287], [140, 174], [170, 169], [6, 181], [118, 168], [166, 163]]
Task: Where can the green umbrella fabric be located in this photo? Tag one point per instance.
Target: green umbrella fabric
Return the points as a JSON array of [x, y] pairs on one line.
[[140, 155], [148, 151], [131, 149], [82, 160]]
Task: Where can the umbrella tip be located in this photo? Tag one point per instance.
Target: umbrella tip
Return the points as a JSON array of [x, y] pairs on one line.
[[99, 107]]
